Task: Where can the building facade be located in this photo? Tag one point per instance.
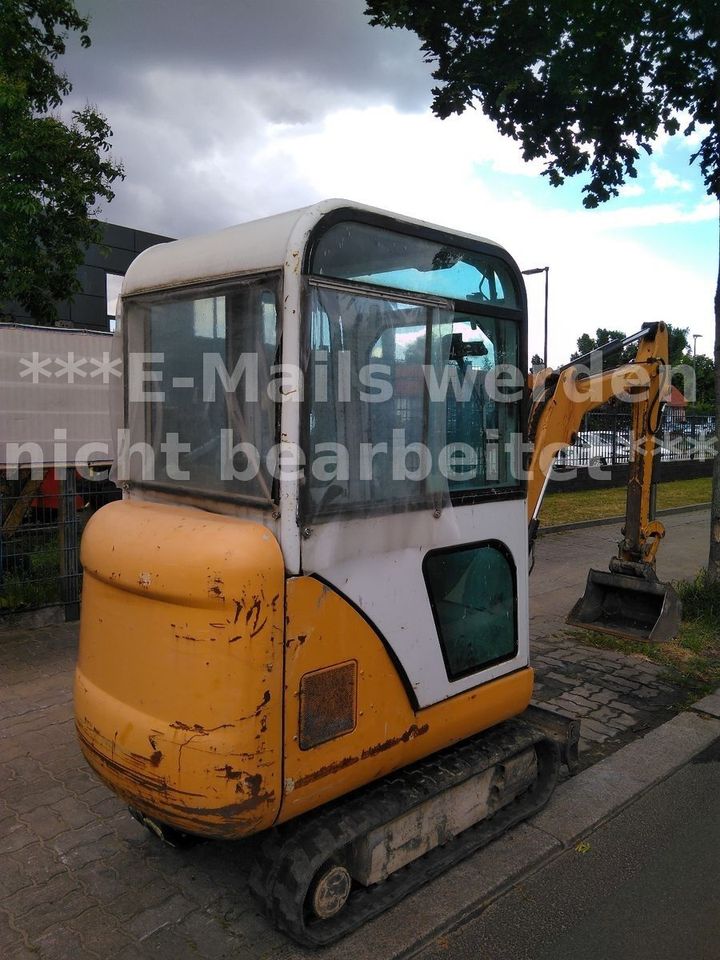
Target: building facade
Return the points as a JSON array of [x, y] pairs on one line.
[[93, 308]]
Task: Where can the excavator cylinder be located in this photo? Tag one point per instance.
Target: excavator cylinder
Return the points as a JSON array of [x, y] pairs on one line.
[[634, 607]]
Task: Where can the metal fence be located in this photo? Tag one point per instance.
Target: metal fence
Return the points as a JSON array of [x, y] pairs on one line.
[[42, 520], [604, 439]]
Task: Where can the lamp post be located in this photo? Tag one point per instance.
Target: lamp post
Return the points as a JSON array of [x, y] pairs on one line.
[[696, 337], [546, 271]]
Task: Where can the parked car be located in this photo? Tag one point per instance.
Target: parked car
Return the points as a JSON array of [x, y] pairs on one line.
[[593, 448]]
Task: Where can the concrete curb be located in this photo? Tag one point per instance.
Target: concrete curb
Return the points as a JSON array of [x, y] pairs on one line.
[[577, 807], [584, 524]]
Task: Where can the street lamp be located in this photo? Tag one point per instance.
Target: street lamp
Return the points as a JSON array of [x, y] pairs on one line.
[[546, 271], [696, 337]]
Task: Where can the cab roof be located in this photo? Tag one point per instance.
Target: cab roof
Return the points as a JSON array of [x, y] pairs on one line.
[[259, 245]]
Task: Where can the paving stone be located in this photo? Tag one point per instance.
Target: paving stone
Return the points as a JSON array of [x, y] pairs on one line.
[[623, 722], [562, 678], [167, 942], [148, 921], [17, 837], [573, 697], [45, 822], [625, 707], [99, 934], [140, 898], [603, 696], [603, 715], [85, 853], [645, 693], [593, 735], [61, 943], [619, 684], [568, 706], [67, 842], [8, 936], [206, 934], [36, 921], [38, 862], [597, 727], [38, 794], [12, 879]]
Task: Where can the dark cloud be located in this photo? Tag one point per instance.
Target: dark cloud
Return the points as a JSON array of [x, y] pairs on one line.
[[186, 85], [326, 41]]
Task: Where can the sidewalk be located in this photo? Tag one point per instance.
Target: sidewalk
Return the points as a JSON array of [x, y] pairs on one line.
[[80, 879]]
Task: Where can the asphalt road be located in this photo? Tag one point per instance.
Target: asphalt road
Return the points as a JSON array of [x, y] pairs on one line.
[[646, 887]]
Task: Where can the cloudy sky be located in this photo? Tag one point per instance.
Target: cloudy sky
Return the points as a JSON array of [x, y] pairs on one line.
[[228, 110]]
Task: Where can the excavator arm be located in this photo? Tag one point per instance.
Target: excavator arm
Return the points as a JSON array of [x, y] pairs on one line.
[[629, 600]]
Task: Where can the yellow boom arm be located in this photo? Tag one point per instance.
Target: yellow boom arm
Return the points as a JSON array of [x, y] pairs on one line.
[[561, 400]]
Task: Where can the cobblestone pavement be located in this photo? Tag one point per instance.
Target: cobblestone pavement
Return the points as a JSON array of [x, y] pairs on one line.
[[80, 879], [617, 698]]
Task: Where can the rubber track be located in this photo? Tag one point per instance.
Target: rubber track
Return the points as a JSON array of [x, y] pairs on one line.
[[292, 855]]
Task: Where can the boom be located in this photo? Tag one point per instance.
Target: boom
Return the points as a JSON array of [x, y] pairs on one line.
[[562, 398]]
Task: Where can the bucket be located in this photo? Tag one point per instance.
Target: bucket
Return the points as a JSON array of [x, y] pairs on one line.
[[634, 607]]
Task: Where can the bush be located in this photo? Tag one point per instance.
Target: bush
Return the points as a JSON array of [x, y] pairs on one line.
[[700, 598]]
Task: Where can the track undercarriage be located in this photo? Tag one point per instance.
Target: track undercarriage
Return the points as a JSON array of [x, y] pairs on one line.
[[322, 876]]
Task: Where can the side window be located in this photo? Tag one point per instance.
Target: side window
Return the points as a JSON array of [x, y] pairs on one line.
[[473, 597]]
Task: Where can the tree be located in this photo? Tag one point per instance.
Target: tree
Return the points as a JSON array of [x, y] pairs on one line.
[[52, 173], [678, 345], [584, 87], [704, 384], [586, 343]]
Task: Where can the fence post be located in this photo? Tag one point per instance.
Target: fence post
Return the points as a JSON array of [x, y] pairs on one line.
[[69, 543]]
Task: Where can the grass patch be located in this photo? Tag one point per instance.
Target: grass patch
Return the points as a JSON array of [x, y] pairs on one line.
[[574, 506], [692, 660]]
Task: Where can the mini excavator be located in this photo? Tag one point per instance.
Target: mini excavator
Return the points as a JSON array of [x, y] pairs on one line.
[[308, 615]]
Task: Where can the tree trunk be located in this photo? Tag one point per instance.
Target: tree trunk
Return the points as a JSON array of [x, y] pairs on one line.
[[714, 558]]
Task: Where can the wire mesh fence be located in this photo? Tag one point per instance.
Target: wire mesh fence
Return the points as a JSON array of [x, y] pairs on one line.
[[605, 439], [42, 521]]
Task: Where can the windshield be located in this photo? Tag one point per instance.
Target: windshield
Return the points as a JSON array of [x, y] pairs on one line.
[[368, 254]]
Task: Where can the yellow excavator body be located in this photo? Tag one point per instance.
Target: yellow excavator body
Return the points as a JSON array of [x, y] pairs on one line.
[[221, 697]]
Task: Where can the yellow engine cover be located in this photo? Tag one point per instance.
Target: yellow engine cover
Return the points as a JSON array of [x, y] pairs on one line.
[[179, 688]]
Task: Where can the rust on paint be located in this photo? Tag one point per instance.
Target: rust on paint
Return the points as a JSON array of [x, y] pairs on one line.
[[215, 588], [325, 771], [238, 609], [171, 805], [198, 728], [258, 709], [299, 639], [410, 734]]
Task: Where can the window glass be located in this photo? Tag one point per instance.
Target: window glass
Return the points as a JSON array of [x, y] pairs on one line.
[[113, 285], [472, 592], [207, 412], [360, 252], [406, 392]]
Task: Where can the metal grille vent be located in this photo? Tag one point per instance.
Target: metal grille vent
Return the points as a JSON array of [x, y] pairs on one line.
[[327, 704]]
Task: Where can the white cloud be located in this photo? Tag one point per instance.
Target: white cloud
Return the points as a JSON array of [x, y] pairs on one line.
[[631, 190], [664, 179], [600, 274]]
